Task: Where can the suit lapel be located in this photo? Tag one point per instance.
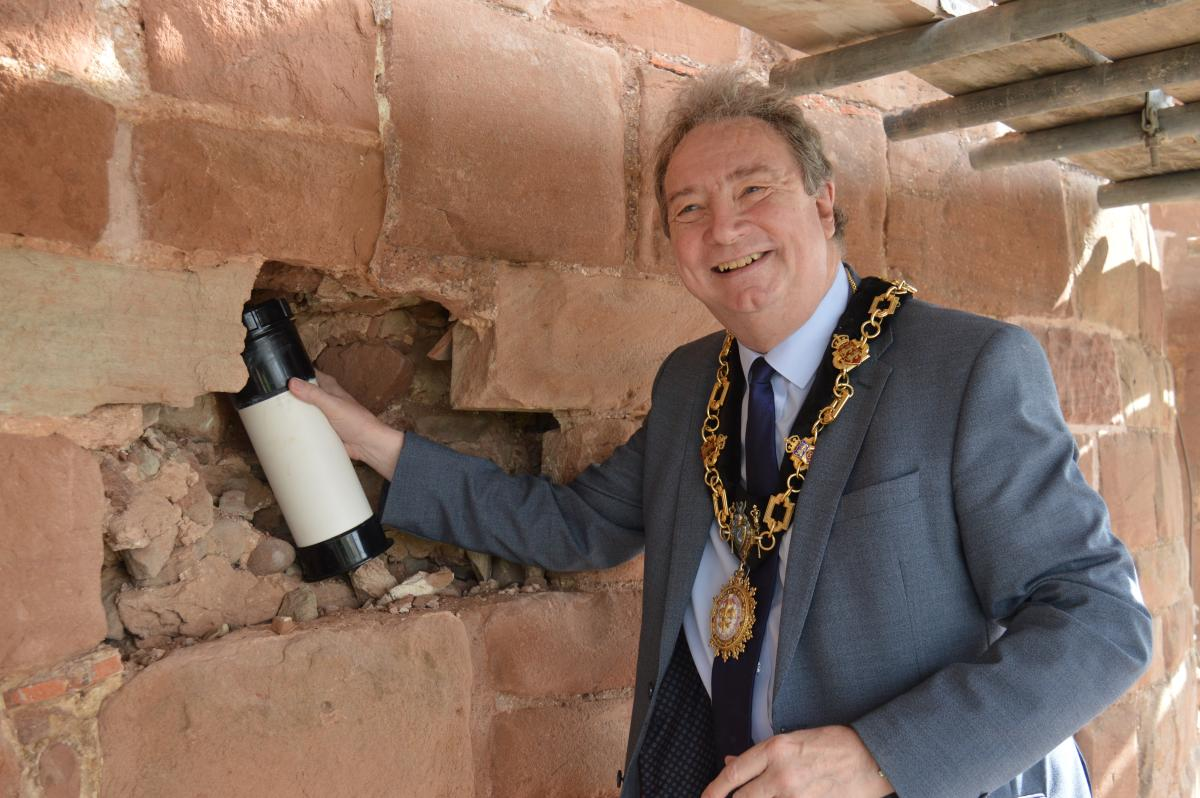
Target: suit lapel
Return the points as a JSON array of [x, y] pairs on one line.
[[693, 517], [817, 503]]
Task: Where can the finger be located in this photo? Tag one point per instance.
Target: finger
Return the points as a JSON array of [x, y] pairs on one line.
[[737, 771], [307, 392]]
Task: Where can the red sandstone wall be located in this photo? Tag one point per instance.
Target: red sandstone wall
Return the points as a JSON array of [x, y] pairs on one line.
[[489, 157]]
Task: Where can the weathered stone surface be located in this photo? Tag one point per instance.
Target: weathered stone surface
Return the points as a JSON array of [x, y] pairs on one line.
[[271, 556], [661, 26], [626, 573], [110, 425], [1146, 387], [54, 163], [205, 187], [554, 644], [569, 750], [1172, 499], [256, 713], [10, 771], [1085, 373], [600, 342], [211, 594], [1110, 745], [897, 91], [335, 594], [1163, 573], [57, 33], [54, 306], [1089, 459], [509, 137], [1152, 310], [1178, 623], [567, 451], [211, 417], [373, 372], [1109, 284], [236, 540], [299, 604], [1128, 483], [942, 233], [52, 506], [856, 145], [658, 87], [373, 578], [311, 60], [58, 772]]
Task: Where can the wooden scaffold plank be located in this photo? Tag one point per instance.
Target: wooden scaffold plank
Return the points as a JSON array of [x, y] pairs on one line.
[[1175, 187], [1078, 87], [989, 29]]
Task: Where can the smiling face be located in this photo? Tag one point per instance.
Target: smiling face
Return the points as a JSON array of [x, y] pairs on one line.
[[750, 242]]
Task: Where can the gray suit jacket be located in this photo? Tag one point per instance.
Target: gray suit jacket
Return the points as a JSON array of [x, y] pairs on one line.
[[953, 589]]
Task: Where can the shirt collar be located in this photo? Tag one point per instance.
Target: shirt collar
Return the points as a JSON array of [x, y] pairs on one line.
[[796, 357]]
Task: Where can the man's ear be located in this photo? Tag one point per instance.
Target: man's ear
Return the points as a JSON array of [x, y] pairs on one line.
[[825, 197]]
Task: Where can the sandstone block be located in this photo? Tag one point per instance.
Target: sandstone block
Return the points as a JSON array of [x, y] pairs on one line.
[[354, 708], [1152, 309], [942, 233], [567, 451], [1110, 745], [58, 772], [509, 137], [1128, 483], [52, 503], [1089, 459], [553, 644], [110, 425], [210, 594], [1163, 573], [54, 163], [1173, 507], [1085, 373], [1146, 387], [57, 307], [10, 770], [373, 372], [855, 142], [658, 87], [590, 581], [600, 342], [205, 187], [313, 60], [661, 26], [1109, 284], [1178, 630], [57, 34], [563, 750]]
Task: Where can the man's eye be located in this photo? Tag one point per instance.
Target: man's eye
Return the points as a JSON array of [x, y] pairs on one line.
[[753, 189], [687, 209]]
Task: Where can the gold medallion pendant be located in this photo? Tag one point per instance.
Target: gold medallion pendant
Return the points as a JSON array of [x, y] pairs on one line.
[[732, 621]]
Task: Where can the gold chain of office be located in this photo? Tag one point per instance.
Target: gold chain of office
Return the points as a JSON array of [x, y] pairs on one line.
[[733, 608]]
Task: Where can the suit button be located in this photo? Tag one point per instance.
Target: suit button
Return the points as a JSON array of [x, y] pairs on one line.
[[620, 779], [650, 690]]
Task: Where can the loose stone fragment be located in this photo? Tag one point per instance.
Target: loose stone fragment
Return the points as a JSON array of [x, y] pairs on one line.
[[270, 556], [300, 604], [482, 563], [282, 625], [507, 573], [421, 584], [373, 578]]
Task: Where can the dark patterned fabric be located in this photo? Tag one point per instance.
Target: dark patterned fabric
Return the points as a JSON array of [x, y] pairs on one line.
[[677, 758]]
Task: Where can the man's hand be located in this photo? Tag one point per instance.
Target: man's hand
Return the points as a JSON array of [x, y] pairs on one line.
[[829, 762], [366, 438]]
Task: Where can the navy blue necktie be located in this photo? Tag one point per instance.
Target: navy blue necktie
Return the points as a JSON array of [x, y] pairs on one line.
[[733, 680]]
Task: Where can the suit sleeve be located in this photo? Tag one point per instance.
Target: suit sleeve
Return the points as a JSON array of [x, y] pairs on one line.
[[1046, 566], [593, 522]]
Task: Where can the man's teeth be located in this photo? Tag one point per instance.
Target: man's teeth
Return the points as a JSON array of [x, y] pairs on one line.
[[731, 265]]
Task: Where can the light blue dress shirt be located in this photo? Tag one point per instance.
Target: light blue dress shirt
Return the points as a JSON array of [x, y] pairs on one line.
[[795, 360]]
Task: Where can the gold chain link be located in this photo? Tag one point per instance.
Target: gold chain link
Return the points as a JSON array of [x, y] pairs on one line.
[[847, 355]]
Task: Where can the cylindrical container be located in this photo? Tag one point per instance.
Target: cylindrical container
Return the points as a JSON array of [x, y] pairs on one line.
[[305, 462]]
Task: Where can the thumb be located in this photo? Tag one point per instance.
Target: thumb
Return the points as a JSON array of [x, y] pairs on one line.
[[306, 391]]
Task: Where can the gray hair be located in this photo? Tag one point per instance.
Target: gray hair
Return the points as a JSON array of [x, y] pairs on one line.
[[731, 93]]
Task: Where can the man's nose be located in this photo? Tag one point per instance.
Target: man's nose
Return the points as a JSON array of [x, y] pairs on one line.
[[726, 223]]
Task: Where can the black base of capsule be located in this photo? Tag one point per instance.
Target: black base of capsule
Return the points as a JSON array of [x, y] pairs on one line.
[[347, 551]]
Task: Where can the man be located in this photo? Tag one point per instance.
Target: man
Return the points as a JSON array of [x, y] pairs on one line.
[[942, 606]]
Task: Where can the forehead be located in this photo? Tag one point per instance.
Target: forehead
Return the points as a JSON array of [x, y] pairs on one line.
[[716, 150]]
